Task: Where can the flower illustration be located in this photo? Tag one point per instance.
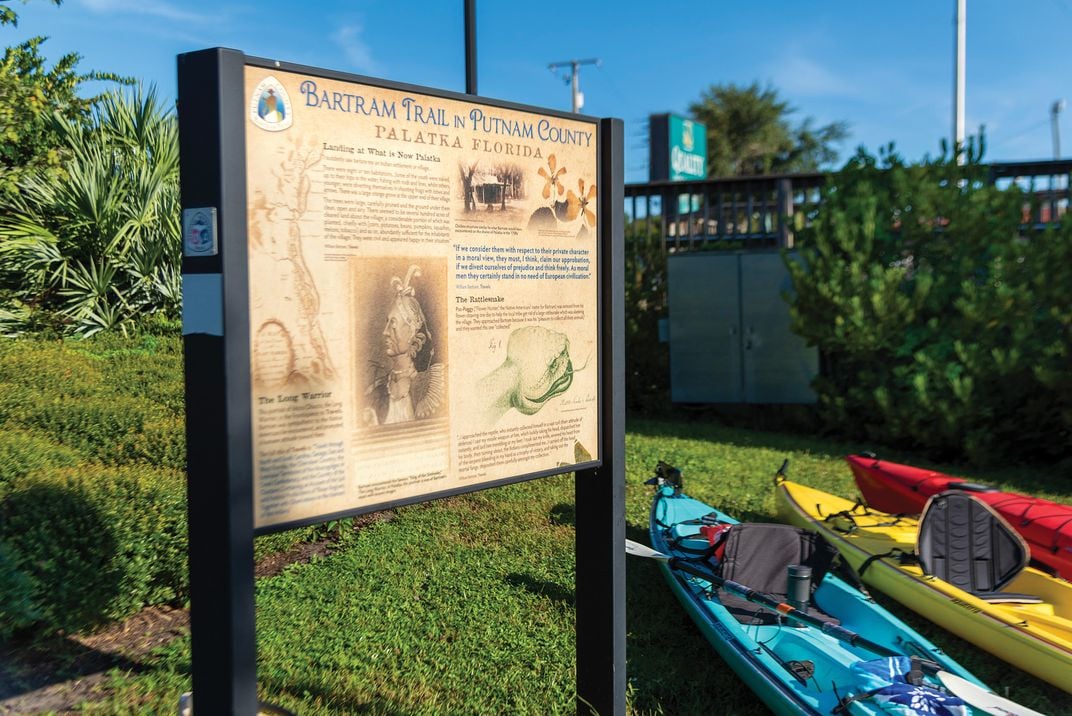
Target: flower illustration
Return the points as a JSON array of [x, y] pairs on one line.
[[551, 174], [577, 204]]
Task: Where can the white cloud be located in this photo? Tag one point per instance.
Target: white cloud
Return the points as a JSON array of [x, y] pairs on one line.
[[803, 77], [153, 8], [357, 52]]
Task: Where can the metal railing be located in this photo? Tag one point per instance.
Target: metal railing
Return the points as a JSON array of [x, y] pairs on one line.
[[764, 211]]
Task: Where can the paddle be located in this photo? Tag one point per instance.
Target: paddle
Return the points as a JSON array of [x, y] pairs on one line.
[[982, 699], [977, 696], [765, 600]]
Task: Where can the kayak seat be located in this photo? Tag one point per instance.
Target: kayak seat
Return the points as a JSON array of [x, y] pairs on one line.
[[963, 541], [758, 555]]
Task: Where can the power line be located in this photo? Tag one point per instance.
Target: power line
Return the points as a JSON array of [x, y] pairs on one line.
[[999, 141]]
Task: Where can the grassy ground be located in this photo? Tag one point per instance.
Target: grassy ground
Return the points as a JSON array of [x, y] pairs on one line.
[[465, 605]]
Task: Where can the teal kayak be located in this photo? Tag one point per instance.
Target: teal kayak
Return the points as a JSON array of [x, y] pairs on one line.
[[805, 664]]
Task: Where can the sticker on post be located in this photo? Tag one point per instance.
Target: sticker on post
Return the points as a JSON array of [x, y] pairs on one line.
[[199, 232]]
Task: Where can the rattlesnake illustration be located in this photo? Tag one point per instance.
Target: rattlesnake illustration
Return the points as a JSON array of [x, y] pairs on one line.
[[537, 368]]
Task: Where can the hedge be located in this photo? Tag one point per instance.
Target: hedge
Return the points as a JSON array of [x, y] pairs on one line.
[[25, 451], [93, 543], [943, 319], [92, 481]]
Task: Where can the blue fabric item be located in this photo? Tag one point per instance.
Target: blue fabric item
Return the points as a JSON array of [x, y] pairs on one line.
[[885, 680]]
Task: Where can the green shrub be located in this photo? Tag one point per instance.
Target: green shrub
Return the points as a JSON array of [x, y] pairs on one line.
[[943, 323], [152, 370], [23, 451], [99, 250], [160, 442], [15, 399], [148, 367], [647, 361], [94, 425], [49, 366], [17, 609], [94, 543]]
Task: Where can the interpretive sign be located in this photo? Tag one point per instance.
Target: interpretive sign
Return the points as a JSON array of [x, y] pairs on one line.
[[392, 294], [422, 293]]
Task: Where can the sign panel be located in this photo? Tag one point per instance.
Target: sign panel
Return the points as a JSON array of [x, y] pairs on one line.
[[422, 294], [678, 148]]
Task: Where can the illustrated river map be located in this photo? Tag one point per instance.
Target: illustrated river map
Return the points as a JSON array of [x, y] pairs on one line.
[[423, 294]]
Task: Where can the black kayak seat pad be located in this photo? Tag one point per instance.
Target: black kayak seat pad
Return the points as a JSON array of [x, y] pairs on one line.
[[963, 541], [758, 555]]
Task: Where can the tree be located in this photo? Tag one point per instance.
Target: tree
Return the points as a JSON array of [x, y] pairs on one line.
[[749, 133], [10, 17], [30, 94], [466, 172], [942, 317]]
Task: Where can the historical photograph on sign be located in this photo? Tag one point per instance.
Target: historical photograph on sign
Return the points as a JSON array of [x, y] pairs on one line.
[[423, 293], [400, 346], [496, 193]]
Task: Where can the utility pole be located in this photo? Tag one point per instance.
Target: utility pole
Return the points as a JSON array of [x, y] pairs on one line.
[[574, 78], [958, 82], [1055, 128], [470, 46]]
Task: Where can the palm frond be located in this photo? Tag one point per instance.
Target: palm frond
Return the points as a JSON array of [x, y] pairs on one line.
[[104, 245]]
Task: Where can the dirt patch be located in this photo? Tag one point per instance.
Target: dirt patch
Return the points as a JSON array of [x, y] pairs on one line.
[[59, 673], [273, 564]]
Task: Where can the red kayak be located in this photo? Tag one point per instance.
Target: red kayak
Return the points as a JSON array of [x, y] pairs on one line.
[[901, 489]]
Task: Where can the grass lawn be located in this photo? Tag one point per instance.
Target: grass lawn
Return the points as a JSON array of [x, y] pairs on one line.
[[465, 605]]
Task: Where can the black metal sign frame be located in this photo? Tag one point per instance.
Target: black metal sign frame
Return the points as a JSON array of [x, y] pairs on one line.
[[216, 328]]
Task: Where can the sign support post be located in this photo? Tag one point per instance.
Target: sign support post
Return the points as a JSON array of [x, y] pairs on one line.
[[215, 340], [600, 492]]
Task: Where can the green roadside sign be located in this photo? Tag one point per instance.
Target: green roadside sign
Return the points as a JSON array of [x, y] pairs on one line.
[[678, 148]]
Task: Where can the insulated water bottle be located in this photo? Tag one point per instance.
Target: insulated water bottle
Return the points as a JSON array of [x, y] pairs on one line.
[[799, 587]]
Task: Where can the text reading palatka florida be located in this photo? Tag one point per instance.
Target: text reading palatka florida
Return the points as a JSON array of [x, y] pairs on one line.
[[440, 139]]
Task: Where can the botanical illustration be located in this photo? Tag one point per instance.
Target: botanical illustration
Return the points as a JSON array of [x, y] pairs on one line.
[[536, 369], [565, 206]]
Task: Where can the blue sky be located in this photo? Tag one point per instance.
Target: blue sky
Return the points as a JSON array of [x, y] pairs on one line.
[[884, 67]]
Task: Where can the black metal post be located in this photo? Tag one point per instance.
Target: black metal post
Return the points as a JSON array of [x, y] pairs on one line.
[[470, 46], [216, 349], [600, 492]]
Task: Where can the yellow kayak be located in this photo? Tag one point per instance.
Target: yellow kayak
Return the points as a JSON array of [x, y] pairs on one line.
[[1025, 620]]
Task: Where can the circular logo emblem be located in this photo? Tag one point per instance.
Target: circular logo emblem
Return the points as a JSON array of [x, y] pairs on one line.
[[199, 232], [269, 106]]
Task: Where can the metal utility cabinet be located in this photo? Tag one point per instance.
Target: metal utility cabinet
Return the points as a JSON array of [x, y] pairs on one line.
[[729, 331]]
